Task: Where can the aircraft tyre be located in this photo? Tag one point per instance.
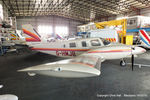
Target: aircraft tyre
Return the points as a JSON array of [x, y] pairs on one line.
[[122, 63], [31, 74]]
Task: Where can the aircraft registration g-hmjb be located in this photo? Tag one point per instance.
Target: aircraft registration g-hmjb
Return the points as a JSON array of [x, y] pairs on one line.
[[86, 55]]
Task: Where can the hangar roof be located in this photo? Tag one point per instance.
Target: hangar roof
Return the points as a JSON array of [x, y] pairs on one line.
[[84, 10]]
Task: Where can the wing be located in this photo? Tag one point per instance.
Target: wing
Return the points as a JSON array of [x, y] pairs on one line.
[[82, 66]]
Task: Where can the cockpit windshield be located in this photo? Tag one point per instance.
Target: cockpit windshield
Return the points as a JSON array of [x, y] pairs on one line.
[[105, 42]]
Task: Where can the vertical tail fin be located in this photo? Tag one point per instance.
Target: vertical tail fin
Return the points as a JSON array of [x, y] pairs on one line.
[[59, 37], [145, 38], [32, 35], [14, 36]]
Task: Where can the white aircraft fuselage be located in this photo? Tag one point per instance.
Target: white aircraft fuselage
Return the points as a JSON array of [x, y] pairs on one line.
[[92, 46]]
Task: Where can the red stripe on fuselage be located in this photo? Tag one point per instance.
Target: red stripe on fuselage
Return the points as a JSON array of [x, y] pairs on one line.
[[98, 51], [59, 49], [110, 51], [31, 40]]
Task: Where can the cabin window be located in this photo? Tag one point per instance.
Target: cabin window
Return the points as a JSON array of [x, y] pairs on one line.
[[95, 43], [84, 44], [72, 45], [105, 42], [64, 45]]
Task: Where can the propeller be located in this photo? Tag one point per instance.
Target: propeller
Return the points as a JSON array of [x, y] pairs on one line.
[[132, 58]]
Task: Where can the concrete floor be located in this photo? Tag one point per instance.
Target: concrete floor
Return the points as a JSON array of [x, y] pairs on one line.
[[113, 80]]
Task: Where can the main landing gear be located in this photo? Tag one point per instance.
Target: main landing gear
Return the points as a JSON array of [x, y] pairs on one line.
[[122, 63]]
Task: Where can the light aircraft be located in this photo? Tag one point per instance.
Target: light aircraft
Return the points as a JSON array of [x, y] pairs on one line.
[[86, 55]]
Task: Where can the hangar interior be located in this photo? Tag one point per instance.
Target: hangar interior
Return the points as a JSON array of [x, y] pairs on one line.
[[121, 71]]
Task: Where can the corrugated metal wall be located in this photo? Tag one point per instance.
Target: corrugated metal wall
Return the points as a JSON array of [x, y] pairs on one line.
[[143, 12], [49, 20]]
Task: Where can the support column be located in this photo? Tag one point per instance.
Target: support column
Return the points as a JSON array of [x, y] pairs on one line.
[[53, 27]]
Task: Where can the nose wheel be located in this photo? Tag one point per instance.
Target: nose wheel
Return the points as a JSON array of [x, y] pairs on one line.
[[122, 63]]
